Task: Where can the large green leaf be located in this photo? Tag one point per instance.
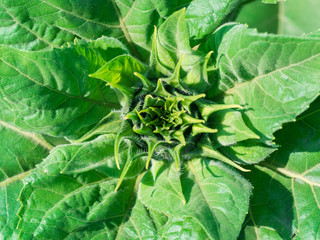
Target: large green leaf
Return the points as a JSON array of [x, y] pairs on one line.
[[50, 91], [204, 16], [67, 207], [274, 77], [19, 153], [208, 192], [71, 194], [38, 24], [294, 17], [290, 17], [286, 192]]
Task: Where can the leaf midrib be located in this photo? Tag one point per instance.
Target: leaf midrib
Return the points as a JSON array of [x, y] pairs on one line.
[[290, 174], [28, 135], [107, 104], [204, 196], [14, 178], [228, 92], [125, 31]]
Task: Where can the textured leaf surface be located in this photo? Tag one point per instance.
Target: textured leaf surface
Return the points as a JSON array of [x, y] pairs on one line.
[[96, 155], [275, 77], [50, 91], [286, 192], [19, 153], [39, 24], [210, 194], [182, 228], [71, 194], [119, 73], [203, 16], [139, 225]]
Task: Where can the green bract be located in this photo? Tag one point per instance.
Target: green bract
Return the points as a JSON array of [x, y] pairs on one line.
[[147, 119]]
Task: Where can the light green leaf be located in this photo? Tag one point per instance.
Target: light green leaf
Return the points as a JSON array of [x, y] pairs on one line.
[[263, 17], [50, 92], [172, 42], [203, 16], [294, 17], [178, 228], [171, 49], [275, 77], [249, 151], [19, 153], [287, 17], [119, 73], [215, 197], [286, 192]]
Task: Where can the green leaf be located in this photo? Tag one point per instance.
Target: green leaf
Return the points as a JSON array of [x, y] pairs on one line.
[[19, 153], [249, 151], [41, 23], [263, 17], [203, 16], [50, 92], [287, 17], [286, 192], [96, 155], [275, 77], [119, 73], [79, 181], [80, 205], [171, 49], [172, 42], [182, 228], [212, 195], [139, 225], [109, 124], [294, 17]]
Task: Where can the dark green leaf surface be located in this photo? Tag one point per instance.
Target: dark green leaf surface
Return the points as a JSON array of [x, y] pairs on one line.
[[19, 153], [286, 192], [38, 24], [211, 194], [50, 92], [74, 205], [274, 77]]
